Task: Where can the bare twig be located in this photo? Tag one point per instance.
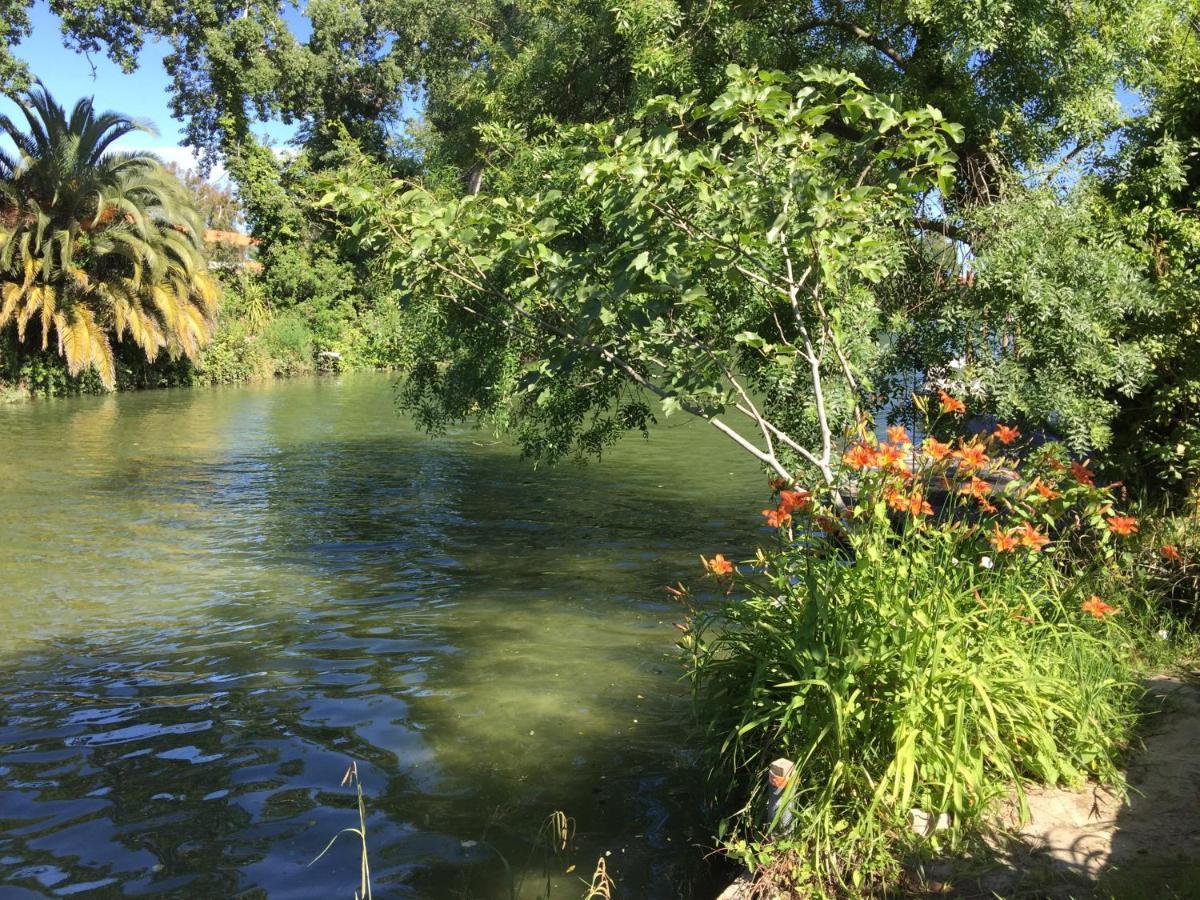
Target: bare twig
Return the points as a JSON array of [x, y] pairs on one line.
[[862, 34]]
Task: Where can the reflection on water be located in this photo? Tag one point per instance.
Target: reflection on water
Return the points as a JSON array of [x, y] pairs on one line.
[[214, 599]]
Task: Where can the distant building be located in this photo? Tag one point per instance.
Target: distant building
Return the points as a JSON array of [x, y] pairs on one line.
[[231, 250]]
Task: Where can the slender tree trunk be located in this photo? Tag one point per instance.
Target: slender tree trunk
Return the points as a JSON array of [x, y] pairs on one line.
[[475, 179]]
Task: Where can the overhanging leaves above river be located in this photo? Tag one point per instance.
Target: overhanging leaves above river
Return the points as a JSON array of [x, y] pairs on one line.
[[718, 258]]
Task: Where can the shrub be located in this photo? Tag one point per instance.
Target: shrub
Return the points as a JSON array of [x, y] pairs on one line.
[[135, 371], [919, 646], [247, 298], [288, 342], [235, 355], [33, 372], [378, 338], [42, 374]]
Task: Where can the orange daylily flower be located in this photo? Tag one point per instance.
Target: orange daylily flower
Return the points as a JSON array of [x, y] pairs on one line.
[[1002, 541], [987, 506], [1169, 552], [935, 449], [1097, 607], [860, 456], [1082, 473], [950, 404], [718, 565], [1123, 525], [790, 501], [971, 455], [918, 505], [976, 487], [1006, 434], [1045, 490], [914, 504], [898, 435], [777, 518], [1032, 538], [889, 455]]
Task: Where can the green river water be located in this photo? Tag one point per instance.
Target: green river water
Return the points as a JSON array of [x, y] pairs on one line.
[[212, 600]]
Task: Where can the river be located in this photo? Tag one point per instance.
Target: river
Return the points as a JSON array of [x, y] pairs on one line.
[[215, 599]]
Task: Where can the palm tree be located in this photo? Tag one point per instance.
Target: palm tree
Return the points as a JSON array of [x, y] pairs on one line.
[[97, 244]]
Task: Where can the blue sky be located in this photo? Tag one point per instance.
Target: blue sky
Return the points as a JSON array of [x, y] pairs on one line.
[[143, 94]]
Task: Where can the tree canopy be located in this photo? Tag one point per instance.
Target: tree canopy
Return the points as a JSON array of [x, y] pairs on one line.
[[1048, 273], [711, 243]]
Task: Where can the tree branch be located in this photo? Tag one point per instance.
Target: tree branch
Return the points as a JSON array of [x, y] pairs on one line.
[[754, 413], [626, 368], [942, 227], [814, 363], [862, 34]]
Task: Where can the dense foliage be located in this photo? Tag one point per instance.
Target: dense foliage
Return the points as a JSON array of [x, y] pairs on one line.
[[1036, 328], [1022, 281], [1154, 187], [1042, 142], [713, 243]]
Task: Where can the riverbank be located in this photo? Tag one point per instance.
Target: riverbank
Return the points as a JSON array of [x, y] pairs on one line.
[[1139, 840], [1132, 841], [893, 666], [52, 381], [247, 346]]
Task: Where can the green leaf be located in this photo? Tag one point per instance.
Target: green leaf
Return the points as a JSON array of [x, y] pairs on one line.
[[751, 339]]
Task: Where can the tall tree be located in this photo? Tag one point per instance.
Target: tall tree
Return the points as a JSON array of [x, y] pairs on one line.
[[97, 244], [1033, 85], [1154, 186], [1025, 79]]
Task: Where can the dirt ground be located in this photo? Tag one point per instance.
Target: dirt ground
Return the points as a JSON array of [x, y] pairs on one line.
[[1098, 843]]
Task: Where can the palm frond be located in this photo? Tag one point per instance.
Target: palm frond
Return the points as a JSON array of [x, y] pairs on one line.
[[83, 343], [144, 273]]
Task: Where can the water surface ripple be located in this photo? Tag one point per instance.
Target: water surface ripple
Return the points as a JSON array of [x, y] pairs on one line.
[[214, 599]]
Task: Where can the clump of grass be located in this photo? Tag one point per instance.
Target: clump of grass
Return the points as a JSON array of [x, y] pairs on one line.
[[554, 838], [1165, 563], [363, 891], [1156, 573], [601, 886], [559, 828]]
